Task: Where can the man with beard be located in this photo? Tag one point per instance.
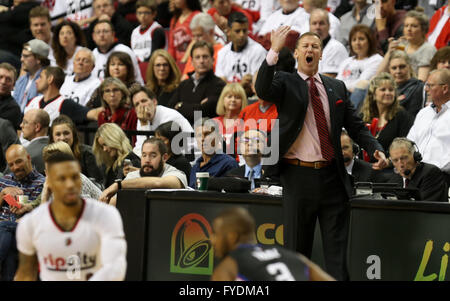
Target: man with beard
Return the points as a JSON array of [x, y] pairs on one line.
[[154, 172], [359, 170]]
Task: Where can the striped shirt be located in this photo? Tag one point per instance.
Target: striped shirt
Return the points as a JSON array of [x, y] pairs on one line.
[[31, 186]]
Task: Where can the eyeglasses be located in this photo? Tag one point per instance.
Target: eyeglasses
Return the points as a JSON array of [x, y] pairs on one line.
[[254, 139], [428, 86], [164, 65], [145, 13], [113, 90], [102, 31], [26, 55], [82, 60], [102, 6]]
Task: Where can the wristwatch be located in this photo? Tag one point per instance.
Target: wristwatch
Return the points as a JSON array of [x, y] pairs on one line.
[[119, 184]]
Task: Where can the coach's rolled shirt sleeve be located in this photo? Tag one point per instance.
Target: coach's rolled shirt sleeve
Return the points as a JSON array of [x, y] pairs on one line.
[[24, 234], [114, 248], [272, 57]]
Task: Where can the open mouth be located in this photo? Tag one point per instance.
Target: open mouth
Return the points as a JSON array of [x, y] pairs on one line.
[[309, 59]]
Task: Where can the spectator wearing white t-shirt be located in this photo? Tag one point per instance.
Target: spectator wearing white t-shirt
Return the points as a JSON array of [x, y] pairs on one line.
[[149, 35], [241, 58], [361, 66], [333, 51], [80, 86], [150, 116], [103, 36]]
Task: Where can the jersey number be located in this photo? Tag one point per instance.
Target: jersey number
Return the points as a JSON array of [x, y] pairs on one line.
[[280, 271]]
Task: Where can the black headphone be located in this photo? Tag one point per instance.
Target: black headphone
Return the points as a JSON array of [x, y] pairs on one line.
[[356, 149], [416, 155]]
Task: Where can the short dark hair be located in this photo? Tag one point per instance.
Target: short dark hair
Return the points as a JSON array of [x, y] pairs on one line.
[[311, 34], [104, 21], [162, 148], [58, 75], [441, 55], [370, 35], [10, 68], [59, 157], [40, 11], [150, 4], [125, 59], [168, 130], [201, 44], [237, 17], [136, 88]]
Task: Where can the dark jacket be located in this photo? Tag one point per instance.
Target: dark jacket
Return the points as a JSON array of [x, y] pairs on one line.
[[209, 87], [362, 171], [397, 127], [15, 27], [430, 181], [411, 95], [290, 93], [88, 164], [181, 163], [10, 110]]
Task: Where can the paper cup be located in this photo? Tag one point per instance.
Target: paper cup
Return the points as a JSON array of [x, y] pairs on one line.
[[23, 199], [202, 180]]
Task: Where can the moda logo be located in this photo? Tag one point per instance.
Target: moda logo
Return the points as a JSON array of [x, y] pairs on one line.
[[191, 251]]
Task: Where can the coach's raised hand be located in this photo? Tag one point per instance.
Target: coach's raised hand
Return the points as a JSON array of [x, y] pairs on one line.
[[278, 37]]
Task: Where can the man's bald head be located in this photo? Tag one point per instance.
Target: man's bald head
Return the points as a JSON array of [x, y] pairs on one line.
[[19, 161], [35, 123], [237, 220], [231, 228]]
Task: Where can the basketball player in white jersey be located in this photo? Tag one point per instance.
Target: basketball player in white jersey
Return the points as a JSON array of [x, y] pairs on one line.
[[70, 238]]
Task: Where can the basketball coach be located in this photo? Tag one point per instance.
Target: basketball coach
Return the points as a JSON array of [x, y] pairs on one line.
[[312, 110]]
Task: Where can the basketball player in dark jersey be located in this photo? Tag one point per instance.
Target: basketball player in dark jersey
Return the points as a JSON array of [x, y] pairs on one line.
[[235, 243]]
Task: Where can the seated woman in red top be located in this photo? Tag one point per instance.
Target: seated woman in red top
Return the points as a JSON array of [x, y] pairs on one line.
[[231, 102], [116, 103]]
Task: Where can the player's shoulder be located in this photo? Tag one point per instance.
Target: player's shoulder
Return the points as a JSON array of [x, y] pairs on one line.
[[95, 207], [36, 215]]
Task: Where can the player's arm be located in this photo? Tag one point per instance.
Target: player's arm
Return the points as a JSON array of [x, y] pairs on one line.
[[227, 270], [113, 248], [28, 268], [315, 272]]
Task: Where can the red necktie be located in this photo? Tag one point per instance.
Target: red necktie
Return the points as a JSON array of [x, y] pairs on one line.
[[321, 122]]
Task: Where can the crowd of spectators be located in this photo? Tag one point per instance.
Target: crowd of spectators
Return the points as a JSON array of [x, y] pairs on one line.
[[130, 69]]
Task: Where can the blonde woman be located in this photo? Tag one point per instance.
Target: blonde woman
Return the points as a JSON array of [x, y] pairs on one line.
[[163, 76], [231, 102], [381, 109], [113, 152], [88, 188]]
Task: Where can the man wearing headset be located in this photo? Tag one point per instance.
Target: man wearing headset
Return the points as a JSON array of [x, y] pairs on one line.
[[359, 170], [412, 173]]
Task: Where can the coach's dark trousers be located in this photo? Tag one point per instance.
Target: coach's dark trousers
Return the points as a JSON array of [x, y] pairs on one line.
[[309, 194]]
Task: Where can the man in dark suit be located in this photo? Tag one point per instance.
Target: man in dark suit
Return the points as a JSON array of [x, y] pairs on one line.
[[252, 145], [34, 126], [411, 173], [312, 110], [359, 170]]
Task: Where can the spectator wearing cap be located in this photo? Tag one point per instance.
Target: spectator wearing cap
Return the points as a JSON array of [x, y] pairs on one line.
[[34, 58]]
